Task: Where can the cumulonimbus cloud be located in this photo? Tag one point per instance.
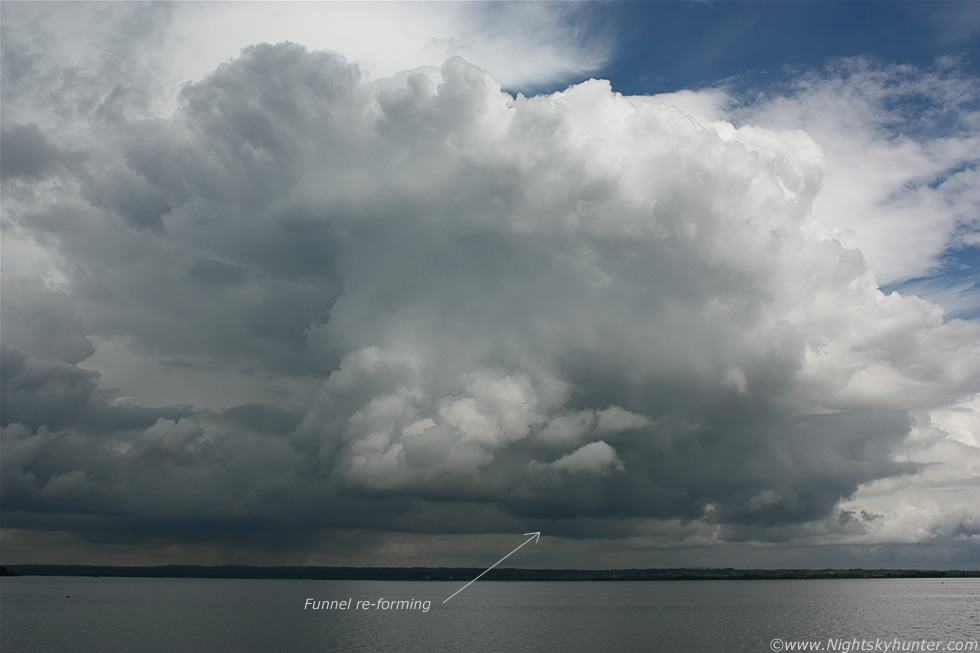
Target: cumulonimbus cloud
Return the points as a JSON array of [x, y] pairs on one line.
[[579, 305]]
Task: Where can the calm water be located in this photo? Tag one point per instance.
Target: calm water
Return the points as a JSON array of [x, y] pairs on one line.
[[136, 614]]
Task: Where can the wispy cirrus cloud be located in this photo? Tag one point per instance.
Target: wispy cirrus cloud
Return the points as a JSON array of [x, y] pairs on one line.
[[901, 142]]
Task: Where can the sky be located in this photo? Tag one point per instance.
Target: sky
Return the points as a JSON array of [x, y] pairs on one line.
[[393, 284]]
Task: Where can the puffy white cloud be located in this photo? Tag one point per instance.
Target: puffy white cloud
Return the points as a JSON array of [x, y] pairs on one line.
[[531, 43], [595, 457]]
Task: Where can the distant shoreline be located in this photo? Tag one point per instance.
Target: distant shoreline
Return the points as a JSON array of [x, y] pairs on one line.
[[466, 573]]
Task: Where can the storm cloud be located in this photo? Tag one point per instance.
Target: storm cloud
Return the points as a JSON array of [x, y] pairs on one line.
[[451, 310]]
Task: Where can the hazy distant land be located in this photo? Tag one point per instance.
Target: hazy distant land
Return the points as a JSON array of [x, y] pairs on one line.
[[465, 573]]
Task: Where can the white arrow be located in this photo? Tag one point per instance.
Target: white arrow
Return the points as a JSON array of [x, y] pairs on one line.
[[534, 536]]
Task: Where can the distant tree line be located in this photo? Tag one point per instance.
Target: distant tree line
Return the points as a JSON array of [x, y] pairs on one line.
[[465, 573]]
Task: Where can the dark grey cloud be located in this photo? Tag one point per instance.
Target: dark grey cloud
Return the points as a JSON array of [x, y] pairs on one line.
[[26, 153], [42, 322], [43, 392], [588, 311], [53, 394]]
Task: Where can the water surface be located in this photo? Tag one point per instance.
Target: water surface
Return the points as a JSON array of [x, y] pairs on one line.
[[172, 614]]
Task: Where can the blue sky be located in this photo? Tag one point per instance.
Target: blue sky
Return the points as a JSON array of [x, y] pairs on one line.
[[386, 283], [666, 46]]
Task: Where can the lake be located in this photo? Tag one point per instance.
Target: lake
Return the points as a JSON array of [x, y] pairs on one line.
[[172, 614]]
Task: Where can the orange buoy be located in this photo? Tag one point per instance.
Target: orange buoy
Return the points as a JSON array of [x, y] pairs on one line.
[[67, 596]]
